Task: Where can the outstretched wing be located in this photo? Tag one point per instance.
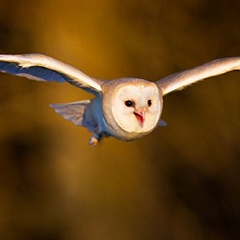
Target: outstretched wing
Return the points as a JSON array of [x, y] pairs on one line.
[[43, 68], [180, 80]]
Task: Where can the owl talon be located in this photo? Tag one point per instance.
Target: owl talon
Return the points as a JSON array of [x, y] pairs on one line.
[[93, 141]]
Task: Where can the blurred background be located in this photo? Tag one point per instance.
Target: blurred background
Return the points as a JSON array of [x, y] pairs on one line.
[[180, 182]]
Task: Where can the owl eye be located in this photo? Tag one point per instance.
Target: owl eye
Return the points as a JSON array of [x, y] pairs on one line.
[[149, 102], [129, 103]]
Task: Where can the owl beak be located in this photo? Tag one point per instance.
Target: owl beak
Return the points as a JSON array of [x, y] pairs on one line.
[[140, 115]]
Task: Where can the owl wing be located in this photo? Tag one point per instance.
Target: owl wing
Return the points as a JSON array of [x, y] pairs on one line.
[[180, 80], [43, 68], [78, 113]]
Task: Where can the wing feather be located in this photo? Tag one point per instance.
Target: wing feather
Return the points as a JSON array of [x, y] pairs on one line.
[[43, 68], [77, 112], [180, 80]]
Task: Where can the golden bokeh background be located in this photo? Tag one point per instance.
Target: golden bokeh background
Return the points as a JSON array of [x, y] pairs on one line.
[[180, 182]]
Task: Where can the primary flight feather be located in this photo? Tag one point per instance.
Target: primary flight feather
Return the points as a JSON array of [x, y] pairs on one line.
[[125, 108]]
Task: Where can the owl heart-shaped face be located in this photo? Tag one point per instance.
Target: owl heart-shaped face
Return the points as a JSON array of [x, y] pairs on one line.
[[136, 106]]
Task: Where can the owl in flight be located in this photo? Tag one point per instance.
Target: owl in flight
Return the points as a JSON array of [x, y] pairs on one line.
[[125, 108]]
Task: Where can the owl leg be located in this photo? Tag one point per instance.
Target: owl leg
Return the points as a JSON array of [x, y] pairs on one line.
[[95, 138]]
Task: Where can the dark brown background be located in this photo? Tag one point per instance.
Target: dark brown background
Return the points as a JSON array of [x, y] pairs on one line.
[[180, 182]]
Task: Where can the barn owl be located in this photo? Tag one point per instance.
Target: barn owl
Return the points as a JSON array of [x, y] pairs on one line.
[[125, 108]]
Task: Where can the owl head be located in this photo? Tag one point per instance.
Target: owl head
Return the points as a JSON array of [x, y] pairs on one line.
[[132, 107]]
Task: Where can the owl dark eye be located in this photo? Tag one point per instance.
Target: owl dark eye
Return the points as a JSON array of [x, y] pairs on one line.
[[129, 103], [149, 102]]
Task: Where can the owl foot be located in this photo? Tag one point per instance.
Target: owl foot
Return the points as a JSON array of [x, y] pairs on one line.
[[94, 140]]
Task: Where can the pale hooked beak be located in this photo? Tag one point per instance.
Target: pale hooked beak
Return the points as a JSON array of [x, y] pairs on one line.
[[140, 115]]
